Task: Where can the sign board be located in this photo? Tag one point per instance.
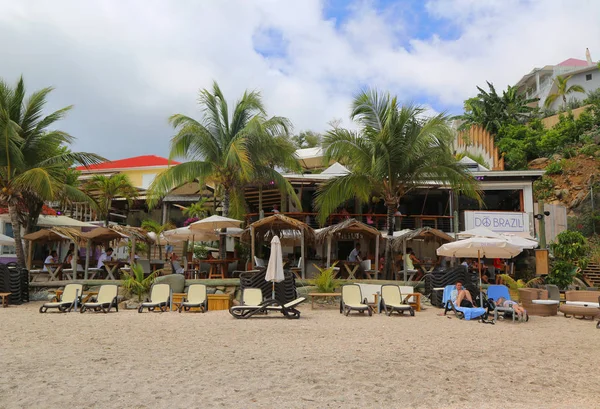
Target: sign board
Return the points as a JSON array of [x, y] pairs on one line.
[[500, 222]]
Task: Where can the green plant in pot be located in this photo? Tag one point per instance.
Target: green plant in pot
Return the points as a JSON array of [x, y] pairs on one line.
[[325, 281], [200, 251], [514, 285], [570, 250], [135, 283]]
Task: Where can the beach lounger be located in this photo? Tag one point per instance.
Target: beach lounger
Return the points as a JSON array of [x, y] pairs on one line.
[[195, 298], [104, 301], [352, 300], [461, 312], [494, 292], [159, 298], [288, 310], [69, 299], [391, 299]]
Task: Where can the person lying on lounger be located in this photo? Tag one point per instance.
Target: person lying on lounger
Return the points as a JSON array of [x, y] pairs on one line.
[[461, 297], [503, 302]]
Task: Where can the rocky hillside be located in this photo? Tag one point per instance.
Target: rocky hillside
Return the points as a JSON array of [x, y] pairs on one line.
[[567, 181]]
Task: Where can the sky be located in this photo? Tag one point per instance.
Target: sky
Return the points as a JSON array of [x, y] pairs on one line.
[[127, 65]]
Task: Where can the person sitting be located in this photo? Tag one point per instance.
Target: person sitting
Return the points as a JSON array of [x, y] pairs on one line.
[[465, 262], [175, 265], [106, 256], [355, 254], [69, 256], [521, 312], [461, 297], [275, 209], [51, 259]]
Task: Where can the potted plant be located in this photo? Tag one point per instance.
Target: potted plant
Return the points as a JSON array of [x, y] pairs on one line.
[[570, 250], [514, 285], [200, 251], [325, 281]]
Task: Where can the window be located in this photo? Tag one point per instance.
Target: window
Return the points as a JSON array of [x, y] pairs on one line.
[[588, 77], [8, 231], [147, 180]]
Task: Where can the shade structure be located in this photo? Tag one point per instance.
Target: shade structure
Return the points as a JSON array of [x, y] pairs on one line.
[[479, 232], [186, 233], [103, 234], [274, 272], [54, 234], [6, 241], [480, 247], [214, 222], [64, 221], [519, 241]]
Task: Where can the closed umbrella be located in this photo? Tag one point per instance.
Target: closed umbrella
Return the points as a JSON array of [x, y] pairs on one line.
[[479, 247], [275, 268]]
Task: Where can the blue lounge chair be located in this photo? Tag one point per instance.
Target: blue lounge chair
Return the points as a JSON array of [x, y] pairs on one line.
[[461, 312], [494, 292]]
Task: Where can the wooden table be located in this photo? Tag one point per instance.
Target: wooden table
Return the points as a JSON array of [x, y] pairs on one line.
[[4, 297], [214, 267], [321, 295], [111, 268], [416, 303], [157, 265], [351, 267], [54, 270]]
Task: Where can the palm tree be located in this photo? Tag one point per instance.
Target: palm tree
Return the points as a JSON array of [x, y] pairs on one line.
[[307, 139], [562, 90], [393, 152], [228, 151], [33, 158], [198, 210], [104, 189], [157, 228]]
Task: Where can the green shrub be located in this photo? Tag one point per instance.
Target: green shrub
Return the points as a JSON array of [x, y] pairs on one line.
[[543, 188], [325, 281], [572, 247], [569, 152], [562, 274], [589, 149], [554, 168], [134, 282]]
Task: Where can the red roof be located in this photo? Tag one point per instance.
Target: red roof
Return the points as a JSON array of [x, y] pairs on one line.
[[574, 62], [46, 211], [135, 162]]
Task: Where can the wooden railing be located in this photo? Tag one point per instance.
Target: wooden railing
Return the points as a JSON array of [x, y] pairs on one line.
[[379, 221]]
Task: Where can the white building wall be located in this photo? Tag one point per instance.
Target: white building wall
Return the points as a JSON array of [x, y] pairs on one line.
[[577, 79]]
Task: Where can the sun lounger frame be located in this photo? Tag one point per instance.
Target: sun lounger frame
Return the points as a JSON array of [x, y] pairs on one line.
[[288, 310], [105, 307], [65, 306]]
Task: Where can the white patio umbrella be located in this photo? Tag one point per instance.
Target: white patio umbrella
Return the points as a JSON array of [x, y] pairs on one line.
[[519, 241], [478, 231], [6, 240], [479, 247], [275, 267], [185, 233], [214, 222]]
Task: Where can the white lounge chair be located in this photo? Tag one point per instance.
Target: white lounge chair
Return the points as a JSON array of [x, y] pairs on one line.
[[159, 298], [391, 298], [352, 300], [104, 301], [69, 299], [288, 310], [195, 298]]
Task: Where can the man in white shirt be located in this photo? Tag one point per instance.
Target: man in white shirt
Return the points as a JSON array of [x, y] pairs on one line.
[[52, 258], [355, 254], [104, 257]]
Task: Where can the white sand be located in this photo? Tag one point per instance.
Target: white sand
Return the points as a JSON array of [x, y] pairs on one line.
[[171, 360]]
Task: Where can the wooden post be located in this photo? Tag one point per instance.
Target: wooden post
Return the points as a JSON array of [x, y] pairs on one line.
[[404, 260], [260, 202], [377, 254], [252, 245], [302, 254], [329, 251], [74, 260], [132, 253], [29, 255], [87, 259]]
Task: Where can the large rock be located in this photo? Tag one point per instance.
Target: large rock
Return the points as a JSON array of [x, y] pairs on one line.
[[578, 199], [176, 281], [539, 162]]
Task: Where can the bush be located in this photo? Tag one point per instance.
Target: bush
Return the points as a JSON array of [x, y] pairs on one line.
[[554, 168], [589, 149], [572, 247], [562, 274], [325, 281], [543, 188], [569, 152]]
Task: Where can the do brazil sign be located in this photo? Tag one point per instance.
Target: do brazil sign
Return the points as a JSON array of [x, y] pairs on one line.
[[500, 222]]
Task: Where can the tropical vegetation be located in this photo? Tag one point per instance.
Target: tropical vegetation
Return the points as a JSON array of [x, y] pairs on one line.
[[570, 250], [307, 139], [394, 151], [325, 280], [135, 283], [157, 228], [105, 189], [562, 90], [228, 149], [197, 210], [34, 157]]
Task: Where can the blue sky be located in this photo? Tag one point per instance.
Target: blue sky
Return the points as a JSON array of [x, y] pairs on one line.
[[128, 66]]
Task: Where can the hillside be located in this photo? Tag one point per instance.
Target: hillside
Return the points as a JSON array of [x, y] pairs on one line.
[[570, 179]]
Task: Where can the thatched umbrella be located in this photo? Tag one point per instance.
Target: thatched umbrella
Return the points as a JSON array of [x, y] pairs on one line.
[[286, 228], [54, 234], [424, 233], [348, 229]]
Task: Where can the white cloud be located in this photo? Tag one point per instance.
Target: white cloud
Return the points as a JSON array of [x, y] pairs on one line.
[[127, 66]]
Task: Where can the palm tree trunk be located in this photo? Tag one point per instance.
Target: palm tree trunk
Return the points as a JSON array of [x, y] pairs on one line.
[[388, 272], [223, 250], [16, 225], [225, 202], [564, 101]]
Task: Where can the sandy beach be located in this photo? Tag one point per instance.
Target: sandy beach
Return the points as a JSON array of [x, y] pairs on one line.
[[171, 360]]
